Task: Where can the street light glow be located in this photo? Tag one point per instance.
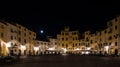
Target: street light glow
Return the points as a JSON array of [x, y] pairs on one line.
[[36, 48], [41, 31]]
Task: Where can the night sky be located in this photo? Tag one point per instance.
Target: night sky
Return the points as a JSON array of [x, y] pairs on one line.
[[52, 20]]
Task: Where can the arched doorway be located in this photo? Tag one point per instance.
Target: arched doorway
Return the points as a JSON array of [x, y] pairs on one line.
[[11, 52], [116, 52], [19, 52]]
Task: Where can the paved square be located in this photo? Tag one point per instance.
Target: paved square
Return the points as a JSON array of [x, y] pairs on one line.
[[66, 61]]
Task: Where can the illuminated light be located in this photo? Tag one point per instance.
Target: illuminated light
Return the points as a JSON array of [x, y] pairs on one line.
[[83, 52], [88, 48], [53, 52], [49, 52], [77, 49], [8, 45], [36, 48], [106, 48], [65, 50], [23, 47], [87, 52], [51, 48], [4, 48]]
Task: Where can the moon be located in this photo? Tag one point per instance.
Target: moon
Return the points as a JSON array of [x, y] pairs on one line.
[[41, 31]]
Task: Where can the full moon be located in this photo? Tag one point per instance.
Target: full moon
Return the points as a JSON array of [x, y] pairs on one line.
[[41, 31]]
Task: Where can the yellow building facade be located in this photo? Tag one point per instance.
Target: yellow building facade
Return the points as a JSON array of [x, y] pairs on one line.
[[3, 39], [107, 40], [68, 39], [17, 38]]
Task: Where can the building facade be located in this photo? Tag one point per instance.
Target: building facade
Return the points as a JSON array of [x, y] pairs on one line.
[[3, 39], [68, 39], [17, 39], [107, 41], [42, 45]]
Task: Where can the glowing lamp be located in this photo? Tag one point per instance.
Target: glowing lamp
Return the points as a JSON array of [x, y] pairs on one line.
[[36, 48]]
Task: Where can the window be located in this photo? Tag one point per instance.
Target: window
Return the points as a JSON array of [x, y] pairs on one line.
[[100, 33], [62, 38], [115, 43], [11, 44], [19, 39], [87, 45], [105, 31], [100, 45], [11, 30], [11, 37], [24, 40], [15, 44], [19, 27], [24, 34], [110, 31], [55, 43], [34, 34], [73, 38], [105, 44], [66, 45], [15, 31], [116, 36], [76, 44], [25, 29], [66, 39], [66, 33], [2, 35], [109, 43], [116, 27], [91, 41], [73, 45], [19, 33], [62, 45], [30, 33], [110, 38], [87, 39]]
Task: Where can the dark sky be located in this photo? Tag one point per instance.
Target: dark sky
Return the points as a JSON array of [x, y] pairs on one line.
[[52, 20]]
